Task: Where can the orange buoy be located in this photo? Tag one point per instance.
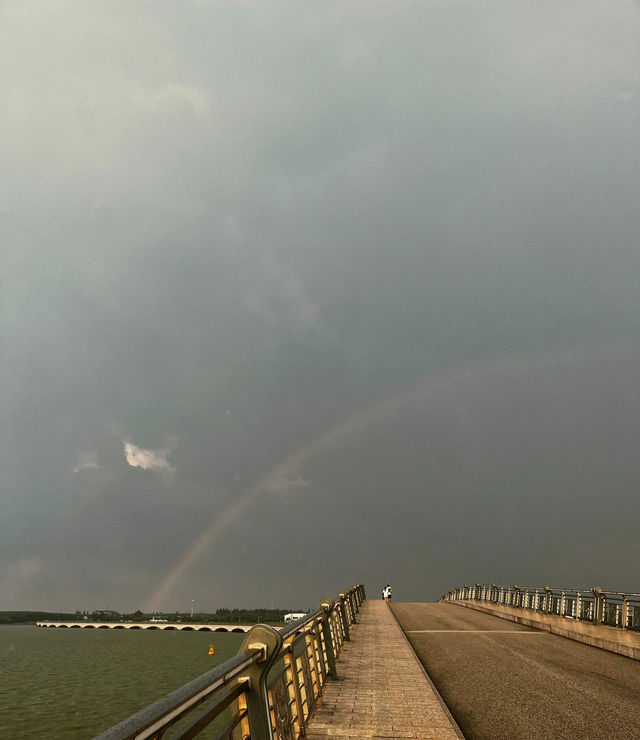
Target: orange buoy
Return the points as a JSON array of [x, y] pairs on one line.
[[211, 650]]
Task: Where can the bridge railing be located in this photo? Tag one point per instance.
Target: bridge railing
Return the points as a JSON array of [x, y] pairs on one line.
[[267, 691], [612, 608]]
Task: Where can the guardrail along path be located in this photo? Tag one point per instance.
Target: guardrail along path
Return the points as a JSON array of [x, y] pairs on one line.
[[382, 690]]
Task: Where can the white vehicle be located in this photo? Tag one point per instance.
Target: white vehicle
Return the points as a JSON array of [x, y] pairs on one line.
[[292, 616]]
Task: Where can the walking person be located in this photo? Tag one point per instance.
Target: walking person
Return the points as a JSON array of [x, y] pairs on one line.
[[389, 591]]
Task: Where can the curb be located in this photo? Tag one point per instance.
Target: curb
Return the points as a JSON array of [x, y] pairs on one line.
[[445, 708]]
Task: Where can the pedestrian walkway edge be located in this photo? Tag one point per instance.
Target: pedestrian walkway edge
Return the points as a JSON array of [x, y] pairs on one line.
[[445, 708], [557, 626]]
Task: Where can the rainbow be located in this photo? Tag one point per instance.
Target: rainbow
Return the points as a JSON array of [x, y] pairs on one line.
[[423, 391]]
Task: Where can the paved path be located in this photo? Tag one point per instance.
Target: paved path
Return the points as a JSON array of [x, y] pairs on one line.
[[623, 642], [506, 681], [382, 690]]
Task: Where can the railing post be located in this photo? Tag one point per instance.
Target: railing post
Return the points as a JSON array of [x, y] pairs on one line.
[[578, 605], [343, 613], [547, 600], [353, 606], [327, 605], [625, 612], [355, 603], [516, 595], [290, 664], [598, 607], [314, 643], [268, 640]]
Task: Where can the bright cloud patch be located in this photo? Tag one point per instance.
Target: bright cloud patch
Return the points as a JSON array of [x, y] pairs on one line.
[[147, 459]]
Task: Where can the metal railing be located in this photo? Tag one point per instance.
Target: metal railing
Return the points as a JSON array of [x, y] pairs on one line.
[[612, 608], [267, 691]]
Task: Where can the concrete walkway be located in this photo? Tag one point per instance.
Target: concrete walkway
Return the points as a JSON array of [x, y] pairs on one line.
[[622, 642], [382, 690], [506, 681]]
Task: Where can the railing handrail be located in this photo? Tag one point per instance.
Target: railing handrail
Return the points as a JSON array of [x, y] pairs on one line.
[[585, 590], [627, 594], [611, 608], [261, 709], [207, 683]]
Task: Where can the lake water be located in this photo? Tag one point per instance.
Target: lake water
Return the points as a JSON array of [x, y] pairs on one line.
[[71, 684]]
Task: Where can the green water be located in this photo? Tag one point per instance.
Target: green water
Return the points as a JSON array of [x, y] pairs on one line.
[[71, 684]]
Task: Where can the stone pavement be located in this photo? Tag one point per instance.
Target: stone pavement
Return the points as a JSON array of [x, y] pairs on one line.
[[382, 690]]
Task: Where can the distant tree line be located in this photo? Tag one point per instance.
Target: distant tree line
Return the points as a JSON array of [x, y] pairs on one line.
[[221, 616], [32, 617]]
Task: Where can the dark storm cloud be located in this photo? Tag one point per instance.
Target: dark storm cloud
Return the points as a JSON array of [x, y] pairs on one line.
[[229, 229]]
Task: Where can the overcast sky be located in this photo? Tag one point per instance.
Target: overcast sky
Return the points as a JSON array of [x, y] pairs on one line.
[[300, 294]]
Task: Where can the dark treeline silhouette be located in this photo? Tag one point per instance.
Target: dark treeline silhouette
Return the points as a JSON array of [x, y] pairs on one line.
[[32, 617], [223, 615]]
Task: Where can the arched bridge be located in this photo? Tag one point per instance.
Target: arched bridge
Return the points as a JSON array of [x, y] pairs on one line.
[[181, 626]]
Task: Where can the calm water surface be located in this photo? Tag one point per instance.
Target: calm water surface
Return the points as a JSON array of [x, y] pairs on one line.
[[68, 684]]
